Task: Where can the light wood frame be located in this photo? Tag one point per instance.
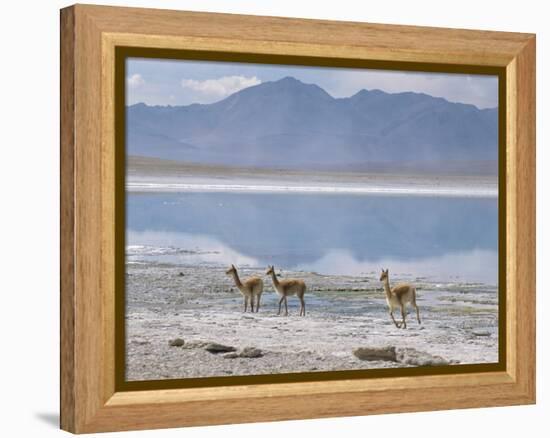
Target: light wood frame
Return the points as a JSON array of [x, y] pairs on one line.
[[89, 36]]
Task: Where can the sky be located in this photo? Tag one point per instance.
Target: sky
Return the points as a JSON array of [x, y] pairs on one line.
[[171, 82]]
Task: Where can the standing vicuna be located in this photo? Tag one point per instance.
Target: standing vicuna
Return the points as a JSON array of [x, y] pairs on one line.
[[250, 288], [289, 286], [399, 296]]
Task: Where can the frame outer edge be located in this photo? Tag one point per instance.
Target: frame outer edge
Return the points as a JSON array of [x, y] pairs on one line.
[[525, 282], [67, 220], [90, 346], [83, 398]]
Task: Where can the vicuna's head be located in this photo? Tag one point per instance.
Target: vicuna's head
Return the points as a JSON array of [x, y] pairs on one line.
[[384, 275], [232, 270], [270, 270]]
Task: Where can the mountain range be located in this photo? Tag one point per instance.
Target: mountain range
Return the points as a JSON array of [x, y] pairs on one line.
[[290, 124]]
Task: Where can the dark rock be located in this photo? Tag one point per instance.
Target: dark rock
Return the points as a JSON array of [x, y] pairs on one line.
[[231, 355], [481, 333], [218, 348], [251, 352], [195, 344], [406, 356], [181, 274], [139, 342], [178, 342], [411, 356], [383, 353]]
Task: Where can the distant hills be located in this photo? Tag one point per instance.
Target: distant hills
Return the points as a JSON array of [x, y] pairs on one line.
[[290, 124]]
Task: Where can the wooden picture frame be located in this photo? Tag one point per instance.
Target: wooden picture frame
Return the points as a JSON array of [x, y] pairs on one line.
[[91, 399]]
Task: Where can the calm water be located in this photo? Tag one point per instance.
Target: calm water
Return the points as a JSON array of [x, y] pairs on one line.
[[435, 237]]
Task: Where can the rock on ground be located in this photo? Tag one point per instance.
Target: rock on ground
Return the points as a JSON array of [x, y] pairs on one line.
[[411, 356], [219, 348], [178, 342], [251, 352], [231, 355], [383, 353], [406, 356]]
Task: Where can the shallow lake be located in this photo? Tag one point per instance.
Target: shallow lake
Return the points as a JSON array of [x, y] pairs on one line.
[[435, 237]]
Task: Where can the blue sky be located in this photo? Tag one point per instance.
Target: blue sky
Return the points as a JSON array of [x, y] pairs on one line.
[[169, 82]]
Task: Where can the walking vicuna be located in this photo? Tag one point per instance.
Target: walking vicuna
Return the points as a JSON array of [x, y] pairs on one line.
[[399, 296], [250, 288], [290, 286]]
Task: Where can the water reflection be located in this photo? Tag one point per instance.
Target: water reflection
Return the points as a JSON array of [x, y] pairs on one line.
[[181, 248], [472, 266], [344, 234]]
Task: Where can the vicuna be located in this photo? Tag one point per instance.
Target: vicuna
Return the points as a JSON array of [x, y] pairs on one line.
[[289, 286], [399, 296], [251, 288]]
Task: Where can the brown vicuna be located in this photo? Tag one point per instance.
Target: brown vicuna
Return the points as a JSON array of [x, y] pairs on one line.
[[250, 288], [399, 296], [289, 286]]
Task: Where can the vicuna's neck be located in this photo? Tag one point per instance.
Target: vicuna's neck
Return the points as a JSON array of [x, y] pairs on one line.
[[274, 278], [387, 288], [237, 279]]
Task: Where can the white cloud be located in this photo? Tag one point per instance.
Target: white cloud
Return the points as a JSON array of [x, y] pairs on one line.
[[135, 80], [478, 90], [220, 87]]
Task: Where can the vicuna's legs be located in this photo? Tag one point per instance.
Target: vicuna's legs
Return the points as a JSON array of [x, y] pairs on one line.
[[393, 319], [302, 307], [416, 307], [404, 314], [245, 298], [252, 303], [258, 303], [283, 298]]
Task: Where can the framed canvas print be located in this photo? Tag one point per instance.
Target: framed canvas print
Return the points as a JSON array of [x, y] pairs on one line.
[[310, 218]]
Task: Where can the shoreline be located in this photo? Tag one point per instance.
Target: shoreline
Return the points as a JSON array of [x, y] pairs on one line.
[[150, 175], [149, 186]]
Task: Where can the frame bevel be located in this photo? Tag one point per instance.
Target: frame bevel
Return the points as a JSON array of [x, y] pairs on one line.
[[89, 37]]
